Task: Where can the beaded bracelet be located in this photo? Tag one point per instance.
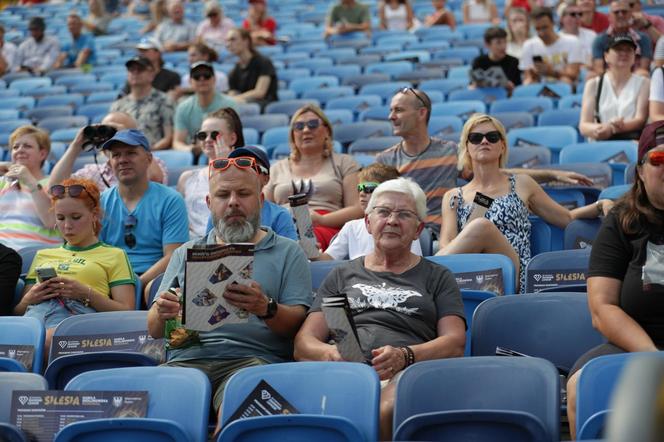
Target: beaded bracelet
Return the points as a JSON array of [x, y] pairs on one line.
[[408, 355]]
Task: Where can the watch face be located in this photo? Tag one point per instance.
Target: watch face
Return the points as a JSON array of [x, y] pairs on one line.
[[271, 308]]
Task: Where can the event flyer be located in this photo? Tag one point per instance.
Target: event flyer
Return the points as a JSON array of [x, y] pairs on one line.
[[134, 341], [22, 353]]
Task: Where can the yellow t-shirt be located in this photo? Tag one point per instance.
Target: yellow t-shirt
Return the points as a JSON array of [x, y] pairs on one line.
[[99, 266]]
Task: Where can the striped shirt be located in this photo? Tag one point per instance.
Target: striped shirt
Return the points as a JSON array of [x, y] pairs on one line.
[[434, 170], [20, 225]]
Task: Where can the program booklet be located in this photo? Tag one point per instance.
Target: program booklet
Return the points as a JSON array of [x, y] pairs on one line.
[[342, 328], [263, 400], [208, 271], [299, 205]]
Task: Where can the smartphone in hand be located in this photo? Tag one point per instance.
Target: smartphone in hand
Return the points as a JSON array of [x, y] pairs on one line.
[[45, 273]]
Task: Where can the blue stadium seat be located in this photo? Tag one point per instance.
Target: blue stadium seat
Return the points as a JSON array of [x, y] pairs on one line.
[[410, 55], [24, 330], [89, 88], [178, 404], [567, 197], [536, 90], [73, 100], [422, 74], [438, 400], [264, 122], [618, 154], [11, 125], [358, 81], [515, 120], [8, 114], [552, 137], [24, 85], [473, 30], [486, 94], [326, 94], [385, 90], [52, 124], [614, 192], [462, 109], [306, 384], [290, 74], [17, 381], [581, 233], [442, 126], [286, 107], [8, 93], [527, 157], [372, 146], [340, 116], [376, 113], [471, 299], [357, 104], [544, 237], [274, 136], [339, 71], [559, 327], [533, 105], [320, 269], [10, 433], [117, 79], [312, 63], [467, 54], [630, 171], [174, 158], [248, 109], [556, 269], [571, 101], [446, 86], [480, 262], [100, 97], [301, 85], [347, 133], [21, 104], [251, 135], [74, 79], [92, 110], [560, 117], [64, 135], [391, 68], [41, 112]]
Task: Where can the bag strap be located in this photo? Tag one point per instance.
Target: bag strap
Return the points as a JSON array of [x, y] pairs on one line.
[[597, 97]]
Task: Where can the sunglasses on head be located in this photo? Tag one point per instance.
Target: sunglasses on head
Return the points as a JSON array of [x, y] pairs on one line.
[[655, 158], [202, 135], [201, 76], [477, 137], [311, 124], [367, 187], [129, 224], [59, 191], [410, 89], [239, 162]]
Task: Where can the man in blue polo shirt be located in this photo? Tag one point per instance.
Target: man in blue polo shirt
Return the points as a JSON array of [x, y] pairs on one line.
[[146, 219], [80, 51]]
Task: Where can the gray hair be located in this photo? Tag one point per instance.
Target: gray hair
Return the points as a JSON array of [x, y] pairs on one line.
[[404, 186]]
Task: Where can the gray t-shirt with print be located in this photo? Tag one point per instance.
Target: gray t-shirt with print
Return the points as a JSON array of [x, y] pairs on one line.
[[391, 309]]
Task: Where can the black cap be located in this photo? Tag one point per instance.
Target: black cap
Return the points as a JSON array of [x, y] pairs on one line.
[[141, 61], [37, 23], [619, 39], [254, 152], [200, 65]]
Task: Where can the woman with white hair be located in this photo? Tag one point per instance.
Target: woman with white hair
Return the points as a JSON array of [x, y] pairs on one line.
[[406, 308], [490, 213]]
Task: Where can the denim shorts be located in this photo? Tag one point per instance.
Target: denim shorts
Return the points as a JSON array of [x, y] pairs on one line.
[[52, 312]]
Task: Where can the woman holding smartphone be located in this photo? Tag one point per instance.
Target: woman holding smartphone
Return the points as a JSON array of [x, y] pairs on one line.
[[84, 275]]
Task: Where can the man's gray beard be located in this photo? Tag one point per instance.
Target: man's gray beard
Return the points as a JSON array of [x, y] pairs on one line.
[[240, 231]]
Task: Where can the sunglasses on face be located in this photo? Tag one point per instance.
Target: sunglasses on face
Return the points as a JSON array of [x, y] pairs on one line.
[[239, 162], [129, 224], [410, 89], [654, 158], [621, 12], [477, 137], [59, 191], [575, 14], [202, 135], [311, 124], [201, 76], [367, 187]]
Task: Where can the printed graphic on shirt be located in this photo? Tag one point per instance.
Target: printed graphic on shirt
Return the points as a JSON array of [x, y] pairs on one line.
[[382, 296], [653, 269]]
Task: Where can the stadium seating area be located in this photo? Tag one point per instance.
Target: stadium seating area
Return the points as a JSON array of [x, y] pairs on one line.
[[352, 79]]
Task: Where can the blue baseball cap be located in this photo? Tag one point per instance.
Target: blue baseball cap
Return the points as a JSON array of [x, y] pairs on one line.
[[254, 152], [131, 137]]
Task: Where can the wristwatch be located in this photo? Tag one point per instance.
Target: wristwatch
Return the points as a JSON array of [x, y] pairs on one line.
[[272, 307]]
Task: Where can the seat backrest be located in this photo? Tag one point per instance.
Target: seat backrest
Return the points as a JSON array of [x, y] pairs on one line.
[[600, 151], [553, 137], [314, 388], [10, 381], [471, 299], [372, 145], [557, 268], [24, 330], [533, 105], [320, 269], [580, 233], [528, 156], [467, 265], [529, 385], [178, 394], [553, 326]]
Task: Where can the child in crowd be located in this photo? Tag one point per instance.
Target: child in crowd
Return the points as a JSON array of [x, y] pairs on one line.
[[496, 68], [353, 240]]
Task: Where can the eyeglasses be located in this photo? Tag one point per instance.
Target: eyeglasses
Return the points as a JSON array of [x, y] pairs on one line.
[[410, 89], [477, 137], [621, 12], [202, 135], [201, 76], [631, 5], [402, 215], [239, 162], [367, 187], [129, 224], [311, 124], [59, 191], [575, 14], [654, 158]]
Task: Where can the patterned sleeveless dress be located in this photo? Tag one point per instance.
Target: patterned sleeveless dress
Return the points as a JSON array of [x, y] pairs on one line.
[[510, 215]]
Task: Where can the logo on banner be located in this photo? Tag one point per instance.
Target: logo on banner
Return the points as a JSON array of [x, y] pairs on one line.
[[12, 353], [142, 339], [23, 400], [479, 279], [117, 401], [62, 344], [537, 277], [265, 395]]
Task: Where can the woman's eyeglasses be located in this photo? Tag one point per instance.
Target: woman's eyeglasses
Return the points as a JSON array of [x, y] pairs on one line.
[[402, 215], [59, 191], [239, 162], [367, 187], [202, 135], [311, 124], [477, 137], [129, 224], [655, 158], [201, 76]]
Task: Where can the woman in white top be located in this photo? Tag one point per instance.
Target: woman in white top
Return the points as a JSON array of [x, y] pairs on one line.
[[615, 104], [220, 133], [396, 15], [518, 31], [480, 11]]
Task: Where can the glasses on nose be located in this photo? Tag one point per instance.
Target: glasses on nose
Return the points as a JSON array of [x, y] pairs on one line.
[[631, 5], [405, 90], [477, 137], [654, 158], [59, 191], [621, 12], [129, 224], [367, 187], [311, 124], [239, 162], [575, 14], [202, 135], [201, 76], [402, 214]]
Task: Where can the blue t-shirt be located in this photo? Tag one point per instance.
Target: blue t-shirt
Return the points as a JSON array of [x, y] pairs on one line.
[[73, 47], [602, 40], [282, 271], [161, 218], [275, 217]]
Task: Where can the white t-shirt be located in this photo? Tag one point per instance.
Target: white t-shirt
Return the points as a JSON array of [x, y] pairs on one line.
[[397, 19], [566, 50], [353, 240], [586, 37], [657, 85], [611, 105]]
